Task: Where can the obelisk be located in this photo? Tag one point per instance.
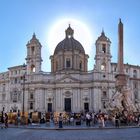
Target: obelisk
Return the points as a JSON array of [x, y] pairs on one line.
[[120, 48], [120, 77]]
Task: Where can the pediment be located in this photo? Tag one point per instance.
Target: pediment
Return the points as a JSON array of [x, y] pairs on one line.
[[67, 79]]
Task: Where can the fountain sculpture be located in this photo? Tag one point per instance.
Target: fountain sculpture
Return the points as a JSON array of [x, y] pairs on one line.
[[122, 98]]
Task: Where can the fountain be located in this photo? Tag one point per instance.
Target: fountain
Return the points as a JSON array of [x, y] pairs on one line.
[[121, 101]]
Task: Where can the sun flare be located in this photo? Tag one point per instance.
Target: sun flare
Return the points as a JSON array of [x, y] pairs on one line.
[[81, 33]]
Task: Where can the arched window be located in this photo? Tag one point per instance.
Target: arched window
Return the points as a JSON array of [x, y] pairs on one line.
[[32, 50], [33, 68], [104, 48]]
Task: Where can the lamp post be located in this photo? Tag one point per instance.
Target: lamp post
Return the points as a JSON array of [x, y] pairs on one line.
[[23, 110]]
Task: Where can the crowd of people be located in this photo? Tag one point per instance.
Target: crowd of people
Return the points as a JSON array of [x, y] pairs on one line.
[[90, 119], [103, 119]]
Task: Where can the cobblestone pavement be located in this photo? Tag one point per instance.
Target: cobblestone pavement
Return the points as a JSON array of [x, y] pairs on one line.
[[97, 134]]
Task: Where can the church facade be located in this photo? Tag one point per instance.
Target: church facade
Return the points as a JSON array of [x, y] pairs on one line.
[[69, 86]]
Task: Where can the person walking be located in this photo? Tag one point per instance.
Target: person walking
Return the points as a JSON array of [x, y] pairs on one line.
[[60, 121], [6, 120], [117, 120], [2, 120], [93, 118], [88, 119], [102, 121], [139, 120]]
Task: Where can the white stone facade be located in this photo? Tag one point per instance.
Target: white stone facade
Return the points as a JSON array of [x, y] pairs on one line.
[[69, 86]]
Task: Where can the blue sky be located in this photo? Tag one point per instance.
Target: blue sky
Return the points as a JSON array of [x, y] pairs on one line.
[[20, 18]]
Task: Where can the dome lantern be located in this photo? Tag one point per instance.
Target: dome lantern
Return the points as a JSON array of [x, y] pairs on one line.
[[69, 32]]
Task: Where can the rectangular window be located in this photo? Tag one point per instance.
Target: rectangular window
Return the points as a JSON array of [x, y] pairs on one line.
[[115, 69], [135, 85], [15, 81], [80, 65], [86, 106], [104, 105], [136, 95], [104, 95], [15, 72], [14, 97], [135, 74], [3, 89], [3, 76], [19, 96], [33, 50], [3, 97], [14, 100], [68, 63], [56, 65], [31, 105], [31, 96]]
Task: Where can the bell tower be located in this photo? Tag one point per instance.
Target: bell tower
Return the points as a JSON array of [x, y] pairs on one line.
[[103, 55], [33, 58]]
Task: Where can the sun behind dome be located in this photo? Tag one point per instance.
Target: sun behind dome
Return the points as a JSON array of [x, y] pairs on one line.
[[69, 43], [69, 54]]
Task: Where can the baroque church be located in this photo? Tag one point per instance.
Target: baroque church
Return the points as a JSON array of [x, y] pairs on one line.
[[69, 86]]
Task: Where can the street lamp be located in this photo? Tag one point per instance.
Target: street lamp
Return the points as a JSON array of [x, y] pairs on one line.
[[23, 120]]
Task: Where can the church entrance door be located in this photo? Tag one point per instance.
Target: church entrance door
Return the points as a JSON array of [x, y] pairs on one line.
[[67, 104], [86, 107], [49, 107]]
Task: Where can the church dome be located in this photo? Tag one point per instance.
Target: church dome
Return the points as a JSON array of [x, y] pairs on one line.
[[69, 43]]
